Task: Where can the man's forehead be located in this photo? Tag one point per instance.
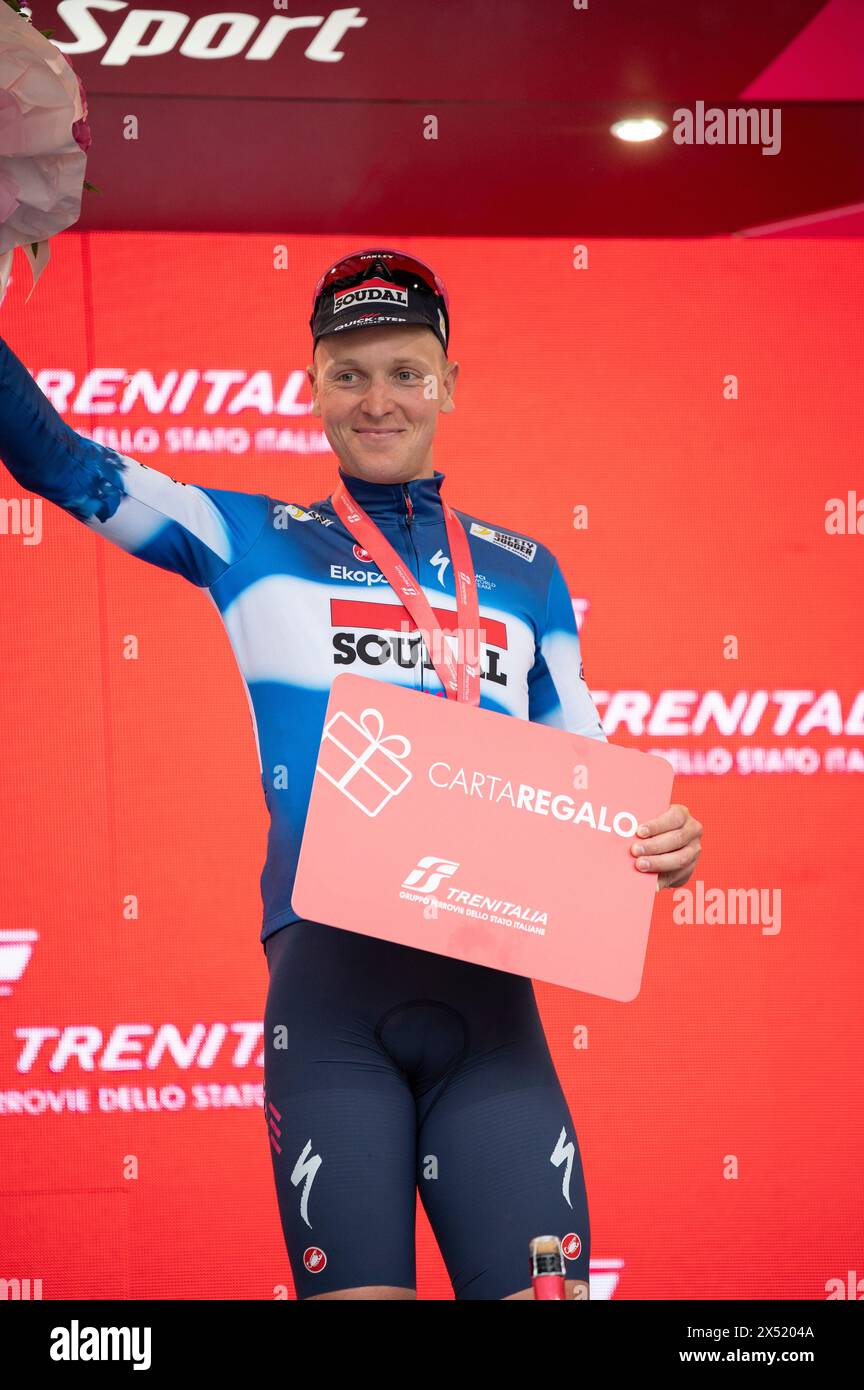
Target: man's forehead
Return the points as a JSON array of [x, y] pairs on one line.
[[365, 344]]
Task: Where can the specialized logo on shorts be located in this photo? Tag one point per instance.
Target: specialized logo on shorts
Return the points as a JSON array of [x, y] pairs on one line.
[[304, 1171], [436, 869], [372, 293], [361, 554], [515, 544], [314, 1259], [564, 1152], [571, 1246]]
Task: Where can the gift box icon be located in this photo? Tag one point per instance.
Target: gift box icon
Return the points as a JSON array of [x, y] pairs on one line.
[[362, 761]]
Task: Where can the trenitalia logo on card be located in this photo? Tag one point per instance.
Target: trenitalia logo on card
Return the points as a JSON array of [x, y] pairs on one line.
[[431, 872]]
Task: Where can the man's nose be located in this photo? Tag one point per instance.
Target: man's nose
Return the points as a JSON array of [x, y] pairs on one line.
[[378, 397]]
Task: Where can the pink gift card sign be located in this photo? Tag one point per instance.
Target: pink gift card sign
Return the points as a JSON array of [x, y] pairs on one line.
[[453, 829]]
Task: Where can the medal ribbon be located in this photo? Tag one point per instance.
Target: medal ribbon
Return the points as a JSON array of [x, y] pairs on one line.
[[460, 678]]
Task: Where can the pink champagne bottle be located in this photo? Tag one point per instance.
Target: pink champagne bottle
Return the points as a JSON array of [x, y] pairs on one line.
[[546, 1261]]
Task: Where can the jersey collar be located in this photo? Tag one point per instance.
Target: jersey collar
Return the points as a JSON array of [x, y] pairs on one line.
[[386, 501]]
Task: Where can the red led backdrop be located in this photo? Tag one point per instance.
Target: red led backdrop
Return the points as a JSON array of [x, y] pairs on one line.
[[673, 419]]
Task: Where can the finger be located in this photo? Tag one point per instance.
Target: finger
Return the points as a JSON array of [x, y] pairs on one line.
[[664, 844], [667, 863], [674, 818]]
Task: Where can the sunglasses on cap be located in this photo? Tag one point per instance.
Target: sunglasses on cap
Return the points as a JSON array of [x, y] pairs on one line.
[[358, 263]]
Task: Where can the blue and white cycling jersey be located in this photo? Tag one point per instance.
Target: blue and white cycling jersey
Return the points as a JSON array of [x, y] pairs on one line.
[[302, 602]]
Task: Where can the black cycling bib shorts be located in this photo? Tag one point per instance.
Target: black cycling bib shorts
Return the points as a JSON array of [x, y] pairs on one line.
[[390, 1070]]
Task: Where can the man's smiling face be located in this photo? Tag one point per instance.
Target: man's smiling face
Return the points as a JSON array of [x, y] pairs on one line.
[[378, 392]]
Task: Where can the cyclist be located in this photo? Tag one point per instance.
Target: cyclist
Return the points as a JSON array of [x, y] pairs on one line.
[[387, 1069]]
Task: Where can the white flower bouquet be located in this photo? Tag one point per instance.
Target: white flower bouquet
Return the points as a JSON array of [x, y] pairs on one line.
[[44, 138]]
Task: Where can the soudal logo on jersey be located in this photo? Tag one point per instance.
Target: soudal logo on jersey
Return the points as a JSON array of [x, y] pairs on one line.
[[372, 292], [387, 635], [517, 545]]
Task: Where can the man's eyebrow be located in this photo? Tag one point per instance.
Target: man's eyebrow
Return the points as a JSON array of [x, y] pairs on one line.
[[339, 362]]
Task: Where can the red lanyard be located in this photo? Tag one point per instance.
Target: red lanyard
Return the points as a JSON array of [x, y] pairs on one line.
[[460, 678]]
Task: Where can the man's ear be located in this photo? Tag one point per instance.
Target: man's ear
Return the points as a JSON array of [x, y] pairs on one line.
[[448, 404], [310, 372]]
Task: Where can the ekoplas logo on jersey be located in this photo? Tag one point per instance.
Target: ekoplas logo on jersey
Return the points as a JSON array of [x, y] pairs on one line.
[[371, 294]]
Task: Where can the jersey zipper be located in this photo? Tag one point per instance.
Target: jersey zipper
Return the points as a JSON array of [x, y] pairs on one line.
[[409, 519], [408, 504]]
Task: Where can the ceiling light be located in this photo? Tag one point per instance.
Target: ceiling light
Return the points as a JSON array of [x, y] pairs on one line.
[[636, 131]]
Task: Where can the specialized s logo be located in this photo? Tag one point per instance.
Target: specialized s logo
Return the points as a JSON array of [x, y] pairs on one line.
[[433, 870], [304, 1171], [439, 562], [564, 1152]]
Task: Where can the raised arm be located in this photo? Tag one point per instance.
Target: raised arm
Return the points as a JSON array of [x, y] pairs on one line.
[[557, 693], [196, 532]]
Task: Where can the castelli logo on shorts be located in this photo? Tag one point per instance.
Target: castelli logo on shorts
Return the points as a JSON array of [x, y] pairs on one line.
[[314, 1259], [571, 1245], [361, 554]]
